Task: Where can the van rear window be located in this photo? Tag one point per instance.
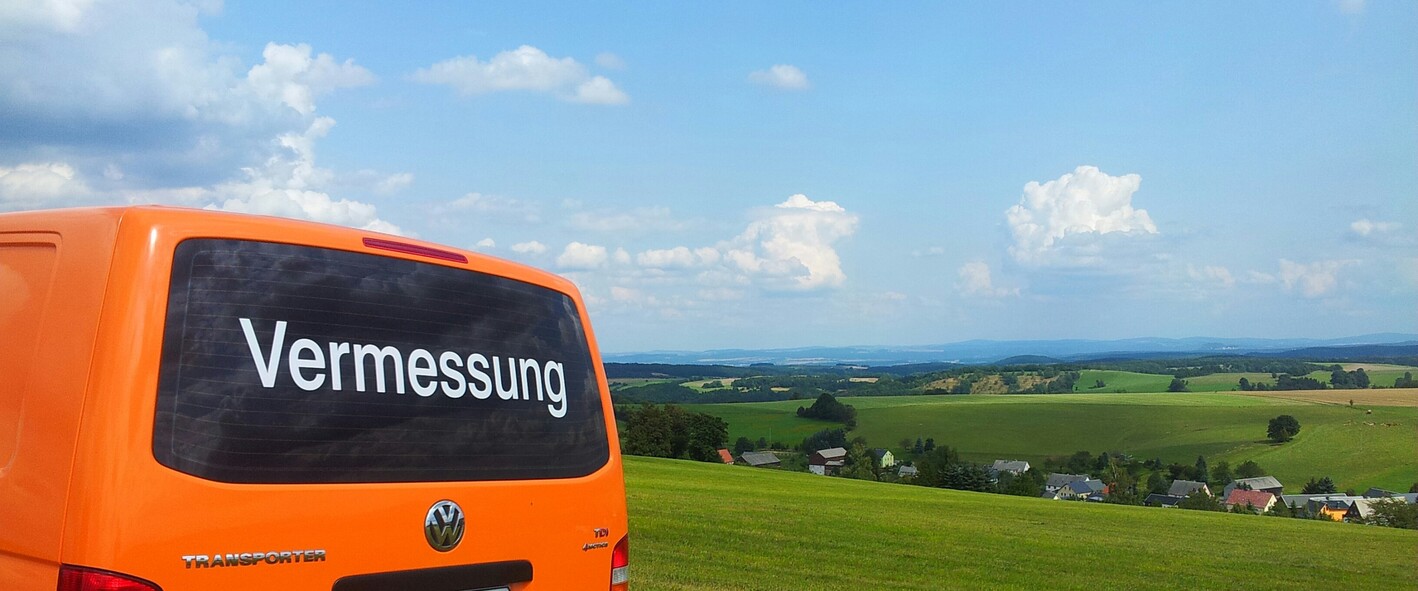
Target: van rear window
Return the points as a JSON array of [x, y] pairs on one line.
[[295, 364]]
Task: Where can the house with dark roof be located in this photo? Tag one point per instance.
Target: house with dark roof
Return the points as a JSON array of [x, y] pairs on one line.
[[1011, 466], [1084, 489], [1378, 493], [1182, 488], [826, 462], [1057, 481], [883, 457], [760, 459], [1258, 500], [725, 456], [1160, 500], [1265, 483], [906, 472]]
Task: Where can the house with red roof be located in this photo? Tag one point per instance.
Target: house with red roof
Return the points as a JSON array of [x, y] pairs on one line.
[[1258, 500], [725, 456]]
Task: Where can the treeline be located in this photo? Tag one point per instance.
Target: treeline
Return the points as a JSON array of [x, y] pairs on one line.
[[1202, 366], [671, 432]]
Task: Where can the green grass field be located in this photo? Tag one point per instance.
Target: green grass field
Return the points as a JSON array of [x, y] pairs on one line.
[[704, 526], [1357, 450]]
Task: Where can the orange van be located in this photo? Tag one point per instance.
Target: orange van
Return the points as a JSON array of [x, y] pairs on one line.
[[193, 400]]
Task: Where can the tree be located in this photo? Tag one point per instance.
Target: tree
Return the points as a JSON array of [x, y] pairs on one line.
[[1201, 472], [824, 439], [1323, 486], [1282, 428], [1245, 385], [918, 449], [742, 444], [1221, 474], [1099, 384], [930, 445], [672, 432], [829, 409], [1157, 483], [1249, 469], [1406, 381], [1177, 385], [1393, 513], [1200, 501], [859, 463], [1122, 487]]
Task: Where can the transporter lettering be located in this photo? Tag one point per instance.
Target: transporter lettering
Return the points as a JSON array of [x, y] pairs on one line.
[[252, 558], [448, 372]]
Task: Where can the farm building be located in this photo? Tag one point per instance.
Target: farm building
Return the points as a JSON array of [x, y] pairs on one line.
[[1264, 483], [826, 462], [726, 457], [1182, 488], [760, 459], [906, 472]]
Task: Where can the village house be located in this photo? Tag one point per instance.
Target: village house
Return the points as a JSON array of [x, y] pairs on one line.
[[1011, 466], [883, 457], [907, 472], [1263, 483], [1161, 500], [760, 459], [1088, 490], [1182, 488], [726, 457], [1258, 500], [1057, 481], [827, 462]]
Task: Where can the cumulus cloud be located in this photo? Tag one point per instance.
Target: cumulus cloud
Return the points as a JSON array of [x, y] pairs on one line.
[[1380, 233], [578, 256], [291, 75], [525, 68], [976, 280], [792, 245], [289, 186], [1314, 279], [530, 247], [38, 184], [782, 77], [1054, 218], [485, 243]]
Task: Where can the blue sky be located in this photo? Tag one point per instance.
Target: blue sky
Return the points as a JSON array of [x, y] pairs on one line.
[[769, 175]]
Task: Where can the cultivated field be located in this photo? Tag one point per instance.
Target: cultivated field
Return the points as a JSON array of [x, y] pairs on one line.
[[1361, 398], [704, 526], [1356, 449]]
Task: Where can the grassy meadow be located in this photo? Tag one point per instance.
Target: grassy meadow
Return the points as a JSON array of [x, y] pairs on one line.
[[1356, 449], [704, 526]]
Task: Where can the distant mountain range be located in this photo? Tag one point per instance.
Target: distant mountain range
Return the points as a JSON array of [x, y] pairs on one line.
[[1371, 346]]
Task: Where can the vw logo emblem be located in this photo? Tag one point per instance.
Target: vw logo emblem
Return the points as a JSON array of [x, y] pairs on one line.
[[443, 527]]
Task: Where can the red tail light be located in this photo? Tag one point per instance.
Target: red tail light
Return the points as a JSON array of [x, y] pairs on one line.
[[78, 578], [620, 565]]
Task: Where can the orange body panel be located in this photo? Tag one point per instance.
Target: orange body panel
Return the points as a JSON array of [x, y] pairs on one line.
[[85, 489]]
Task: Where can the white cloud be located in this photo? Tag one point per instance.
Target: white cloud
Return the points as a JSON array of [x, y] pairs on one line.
[[293, 77], [610, 61], [393, 183], [532, 247], [578, 256], [1351, 6], [1212, 275], [643, 219], [792, 245], [1314, 279], [677, 257], [485, 244], [1085, 204], [39, 184], [781, 76], [496, 206], [976, 280], [288, 186], [525, 68]]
